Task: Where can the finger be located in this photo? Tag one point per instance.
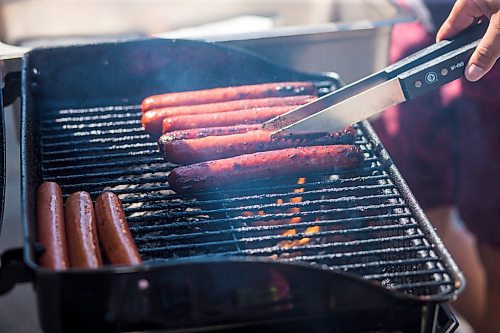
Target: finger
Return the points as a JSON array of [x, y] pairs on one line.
[[486, 53], [462, 15]]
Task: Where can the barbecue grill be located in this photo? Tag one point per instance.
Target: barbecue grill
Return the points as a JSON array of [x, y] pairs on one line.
[[349, 251]]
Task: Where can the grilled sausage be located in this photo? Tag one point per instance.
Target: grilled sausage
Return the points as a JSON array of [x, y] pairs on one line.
[[83, 245], [152, 120], [269, 164], [213, 148], [113, 231], [251, 116], [225, 94], [196, 133], [240, 104], [51, 230]]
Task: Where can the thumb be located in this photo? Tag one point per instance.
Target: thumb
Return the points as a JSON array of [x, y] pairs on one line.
[[486, 53]]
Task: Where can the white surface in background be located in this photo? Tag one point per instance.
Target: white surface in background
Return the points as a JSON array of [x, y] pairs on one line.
[[237, 25], [33, 19], [11, 52]]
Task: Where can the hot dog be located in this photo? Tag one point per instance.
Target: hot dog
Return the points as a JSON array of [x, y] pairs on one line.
[[51, 232], [241, 104], [81, 231], [113, 231], [269, 164], [216, 147], [196, 133], [152, 119], [225, 94], [251, 116]]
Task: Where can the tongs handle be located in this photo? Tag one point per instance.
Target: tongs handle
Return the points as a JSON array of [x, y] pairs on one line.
[[437, 64], [437, 72]]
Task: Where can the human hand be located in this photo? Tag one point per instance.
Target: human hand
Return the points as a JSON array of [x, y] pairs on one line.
[[463, 14]]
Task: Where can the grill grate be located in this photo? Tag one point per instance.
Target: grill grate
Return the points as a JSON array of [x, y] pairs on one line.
[[354, 221]]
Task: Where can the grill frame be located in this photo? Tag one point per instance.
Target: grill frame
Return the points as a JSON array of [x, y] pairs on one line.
[[56, 289]]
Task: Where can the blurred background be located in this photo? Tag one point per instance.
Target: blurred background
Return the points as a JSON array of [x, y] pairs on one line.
[[304, 34], [350, 37]]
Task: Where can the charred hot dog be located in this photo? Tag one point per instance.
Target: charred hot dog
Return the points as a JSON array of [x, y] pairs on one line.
[[189, 151], [269, 164], [196, 133]]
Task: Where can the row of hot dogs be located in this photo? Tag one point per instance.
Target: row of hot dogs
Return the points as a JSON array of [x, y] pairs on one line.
[[72, 233], [217, 136]]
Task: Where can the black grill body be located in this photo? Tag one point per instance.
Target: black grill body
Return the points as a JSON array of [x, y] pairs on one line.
[[373, 254]]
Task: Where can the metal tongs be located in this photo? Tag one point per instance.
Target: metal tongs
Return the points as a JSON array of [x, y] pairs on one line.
[[421, 72]]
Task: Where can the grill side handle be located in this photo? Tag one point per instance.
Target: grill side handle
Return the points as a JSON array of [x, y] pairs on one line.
[[446, 320], [13, 270], [11, 88]]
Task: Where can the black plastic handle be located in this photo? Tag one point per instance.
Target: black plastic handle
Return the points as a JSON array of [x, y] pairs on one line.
[[12, 88], [441, 49], [437, 72], [13, 270]]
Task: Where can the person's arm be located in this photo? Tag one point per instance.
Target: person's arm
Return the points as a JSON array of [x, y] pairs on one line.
[[463, 14]]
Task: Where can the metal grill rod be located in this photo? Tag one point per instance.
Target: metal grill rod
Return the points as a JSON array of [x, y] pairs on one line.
[[277, 249], [230, 201], [243, 219], [137, 229]]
